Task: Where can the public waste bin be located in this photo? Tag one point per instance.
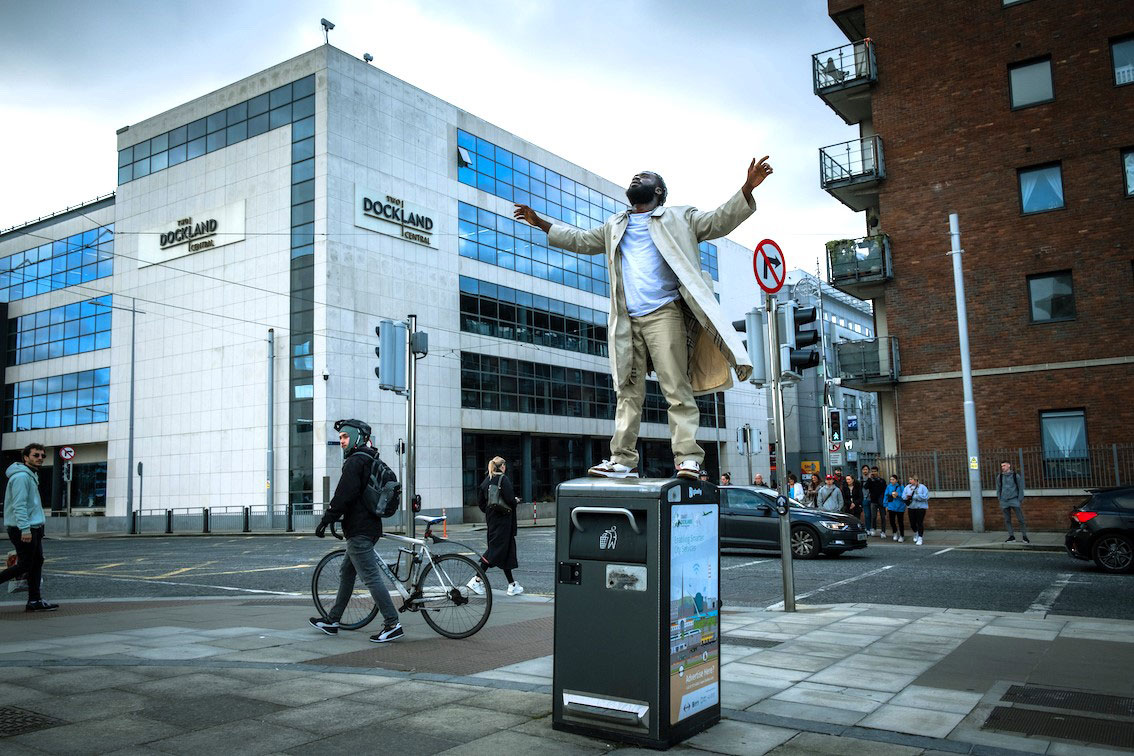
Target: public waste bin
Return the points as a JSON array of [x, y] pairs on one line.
[[637, 609]]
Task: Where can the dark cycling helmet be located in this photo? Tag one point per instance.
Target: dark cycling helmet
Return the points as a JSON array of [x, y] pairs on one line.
[[360, 426]]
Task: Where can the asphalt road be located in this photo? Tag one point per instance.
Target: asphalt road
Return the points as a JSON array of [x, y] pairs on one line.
[[884, 573]]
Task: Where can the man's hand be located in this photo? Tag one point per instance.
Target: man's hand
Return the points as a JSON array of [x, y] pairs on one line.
[[26, 537], [757, 172], [321, 530], [527, 215]]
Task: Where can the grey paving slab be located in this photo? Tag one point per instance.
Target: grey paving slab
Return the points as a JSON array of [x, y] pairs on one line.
[[790, 660], [249, 737], [276, 654], [531, 705], [812, 712], [893, 718], [360, 680], [759, 674], [509, 742], [97, 736], [410, 695], [263, 676], [376, 739], [188, 686], [831, 696], [301, 691], [739, 695], [846, 639], [982, 660], [180, 653], [457, 721], [838, 674], [1019, 632], [11, 693], [871, 663], [247, 642], [741, 738], [827, 650], [937, 699], [156, 631], [541, 728], [94, 704], [1074, 663], [80, 680], [209, 711], [333, 716], [816, 744]]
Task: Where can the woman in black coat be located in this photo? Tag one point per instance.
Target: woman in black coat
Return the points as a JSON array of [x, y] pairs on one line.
[[501, 527]]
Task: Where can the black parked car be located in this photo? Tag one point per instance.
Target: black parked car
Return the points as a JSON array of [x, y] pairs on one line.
[[749, 520], [1102, 529]]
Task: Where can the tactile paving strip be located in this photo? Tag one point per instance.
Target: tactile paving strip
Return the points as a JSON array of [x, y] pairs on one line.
[[14, 721], [1076, 700], [1066, 726]]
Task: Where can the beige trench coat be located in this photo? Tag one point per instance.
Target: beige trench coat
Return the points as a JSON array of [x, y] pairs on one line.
[[676, 231]]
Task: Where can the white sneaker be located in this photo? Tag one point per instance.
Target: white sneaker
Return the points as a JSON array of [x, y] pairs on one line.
[[476, 585], [920, 541], [882, 534], [515, 589], [896, 536], [610, 469], [690, 468], [900, 539]]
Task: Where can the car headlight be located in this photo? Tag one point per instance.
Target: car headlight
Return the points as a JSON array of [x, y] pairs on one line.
[[832, 525]]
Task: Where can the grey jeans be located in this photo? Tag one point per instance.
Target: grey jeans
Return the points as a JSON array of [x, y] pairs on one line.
[[1019, 516], [363, 562]]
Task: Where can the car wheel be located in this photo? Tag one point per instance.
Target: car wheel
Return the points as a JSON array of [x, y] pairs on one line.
[[804, 543], [1113, 553]]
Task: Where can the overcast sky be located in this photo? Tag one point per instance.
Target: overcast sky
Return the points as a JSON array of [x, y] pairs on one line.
[[690, 90]]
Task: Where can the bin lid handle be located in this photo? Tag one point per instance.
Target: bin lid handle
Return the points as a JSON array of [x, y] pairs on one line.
[[603, 510]]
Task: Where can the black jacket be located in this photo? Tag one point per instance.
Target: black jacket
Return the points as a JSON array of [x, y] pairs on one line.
[[875, 487], [347, 504]]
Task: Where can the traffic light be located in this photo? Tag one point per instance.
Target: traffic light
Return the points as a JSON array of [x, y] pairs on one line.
[[391, 353], [754, 326], [794, 359], [836, 425]]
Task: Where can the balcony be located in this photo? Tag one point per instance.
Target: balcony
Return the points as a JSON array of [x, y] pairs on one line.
[[853, 171], [843, 77], [868, 364], [860, 267]]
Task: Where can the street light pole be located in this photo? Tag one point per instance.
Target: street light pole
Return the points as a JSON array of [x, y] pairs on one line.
[[130, 442], [975, 500]]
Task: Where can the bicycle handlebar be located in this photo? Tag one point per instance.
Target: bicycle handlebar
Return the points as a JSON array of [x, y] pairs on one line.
[[334, 530]]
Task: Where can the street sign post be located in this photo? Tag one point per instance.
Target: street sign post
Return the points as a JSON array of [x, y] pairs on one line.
[[770, 267], [67, 453]]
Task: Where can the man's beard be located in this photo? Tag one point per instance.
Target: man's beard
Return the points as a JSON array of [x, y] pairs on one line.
[[639, 194]]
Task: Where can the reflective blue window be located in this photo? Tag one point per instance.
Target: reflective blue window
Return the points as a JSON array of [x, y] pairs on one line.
[[73, 399], [59, 331], [58, 264]]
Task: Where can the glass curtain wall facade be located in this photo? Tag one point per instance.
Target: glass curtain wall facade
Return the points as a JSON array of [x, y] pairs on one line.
[[73, 399], [60, 331], [77, 259]]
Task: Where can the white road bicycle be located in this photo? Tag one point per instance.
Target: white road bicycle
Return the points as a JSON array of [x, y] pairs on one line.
[[439, 586]]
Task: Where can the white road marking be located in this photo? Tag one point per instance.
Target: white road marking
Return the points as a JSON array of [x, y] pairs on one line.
[[780, 604], [1048, 596], [943, 551], [745, 564], [170, 582]]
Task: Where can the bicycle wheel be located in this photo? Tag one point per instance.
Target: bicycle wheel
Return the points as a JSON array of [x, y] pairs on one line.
[[360, 610], [447, 603]]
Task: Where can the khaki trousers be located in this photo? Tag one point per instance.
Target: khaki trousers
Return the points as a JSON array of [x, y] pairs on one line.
[[662, 336]]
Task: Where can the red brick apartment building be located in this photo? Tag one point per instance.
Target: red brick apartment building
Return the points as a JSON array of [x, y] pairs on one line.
[[1018, 115]]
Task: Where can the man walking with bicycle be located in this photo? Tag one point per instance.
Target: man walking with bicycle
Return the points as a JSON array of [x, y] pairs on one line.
[[361, 529]]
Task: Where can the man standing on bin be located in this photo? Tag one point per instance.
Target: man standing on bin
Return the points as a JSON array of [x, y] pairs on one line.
[[361, 529], [662, 311]]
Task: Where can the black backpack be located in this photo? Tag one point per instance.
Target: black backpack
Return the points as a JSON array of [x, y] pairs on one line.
[[382, 495]]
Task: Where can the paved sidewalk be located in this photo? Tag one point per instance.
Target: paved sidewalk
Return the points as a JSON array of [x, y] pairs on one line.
[[249, 676]]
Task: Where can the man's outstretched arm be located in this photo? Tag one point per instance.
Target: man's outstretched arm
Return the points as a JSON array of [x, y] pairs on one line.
[[564, 237], [723, 220]]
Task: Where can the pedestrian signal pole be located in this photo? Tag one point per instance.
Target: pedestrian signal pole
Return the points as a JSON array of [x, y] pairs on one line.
[[401, 345], [776, 376]]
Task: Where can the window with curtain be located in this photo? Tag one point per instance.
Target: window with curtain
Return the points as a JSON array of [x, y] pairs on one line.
[[1030, 83], [1041, 188], [1122, 56], [1064, 435], [1051, 296], [1128, 170]]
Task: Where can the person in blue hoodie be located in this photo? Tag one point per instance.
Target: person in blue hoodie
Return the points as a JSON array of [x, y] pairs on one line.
[[23, 517], [896, 506]]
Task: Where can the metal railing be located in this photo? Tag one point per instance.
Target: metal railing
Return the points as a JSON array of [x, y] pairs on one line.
[[844, 66], [868, 360], [288, 518], [850, 162], [1041, 469], [854, 260]]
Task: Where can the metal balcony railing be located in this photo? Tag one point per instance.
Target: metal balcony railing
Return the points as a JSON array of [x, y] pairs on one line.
[[868, 361], [859, 261], [843, 67], [856, 161]]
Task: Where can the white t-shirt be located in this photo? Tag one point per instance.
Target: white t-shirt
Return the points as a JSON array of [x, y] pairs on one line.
[[647, 279]]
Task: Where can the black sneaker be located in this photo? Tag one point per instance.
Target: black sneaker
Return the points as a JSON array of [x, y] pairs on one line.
[[328, 627], [389, 633], [1026, 540], [1009, 539], [40, 606]]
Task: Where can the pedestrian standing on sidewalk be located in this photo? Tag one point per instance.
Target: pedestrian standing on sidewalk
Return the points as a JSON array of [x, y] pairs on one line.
[[810, 496], [916, 496], [726, 479], [830, 498], [497, 499], [795, 488], [852, 493], [1010, 492], [23, 517], [874, 488], [896, 508], [362, 529]]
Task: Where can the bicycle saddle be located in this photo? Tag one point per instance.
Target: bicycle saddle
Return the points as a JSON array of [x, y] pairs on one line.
[[430, 520]]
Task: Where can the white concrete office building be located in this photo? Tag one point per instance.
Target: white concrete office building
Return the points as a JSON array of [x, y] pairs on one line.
[[305, 204]]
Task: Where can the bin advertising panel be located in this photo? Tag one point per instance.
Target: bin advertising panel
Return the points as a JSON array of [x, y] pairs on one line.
[[694, 617]]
